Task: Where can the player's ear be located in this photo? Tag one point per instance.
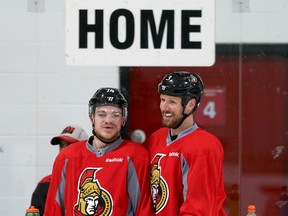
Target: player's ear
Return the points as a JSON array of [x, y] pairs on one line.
[[91, 120], [190, 105]]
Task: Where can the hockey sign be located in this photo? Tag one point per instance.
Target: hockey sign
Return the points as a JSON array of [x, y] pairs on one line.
[[140, 33]]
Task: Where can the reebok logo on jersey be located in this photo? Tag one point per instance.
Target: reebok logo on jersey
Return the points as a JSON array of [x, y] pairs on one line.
[[114, 160], [174, 154]]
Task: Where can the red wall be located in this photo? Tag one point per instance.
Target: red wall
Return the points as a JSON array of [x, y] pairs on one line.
[[254, 109]]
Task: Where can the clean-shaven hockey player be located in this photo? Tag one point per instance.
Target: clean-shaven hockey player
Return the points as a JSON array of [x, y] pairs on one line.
[[105, 175]]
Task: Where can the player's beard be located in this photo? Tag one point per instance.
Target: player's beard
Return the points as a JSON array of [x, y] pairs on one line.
[[171, 124]]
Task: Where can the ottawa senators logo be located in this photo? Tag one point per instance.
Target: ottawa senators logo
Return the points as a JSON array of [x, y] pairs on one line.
[[159, 187], [68, 130], [92, 199]]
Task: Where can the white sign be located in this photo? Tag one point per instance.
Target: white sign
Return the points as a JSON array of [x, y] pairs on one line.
[[140, 32]]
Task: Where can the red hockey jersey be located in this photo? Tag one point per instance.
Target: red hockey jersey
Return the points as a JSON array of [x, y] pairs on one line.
[[110, 181], [186, 174]]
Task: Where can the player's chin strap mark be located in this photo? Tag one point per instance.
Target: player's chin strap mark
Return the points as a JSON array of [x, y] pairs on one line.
[[184, 117]]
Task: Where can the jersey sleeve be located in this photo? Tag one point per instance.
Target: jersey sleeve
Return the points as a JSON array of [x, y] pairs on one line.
[[54, 202], [203, 185], [138, 185]]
